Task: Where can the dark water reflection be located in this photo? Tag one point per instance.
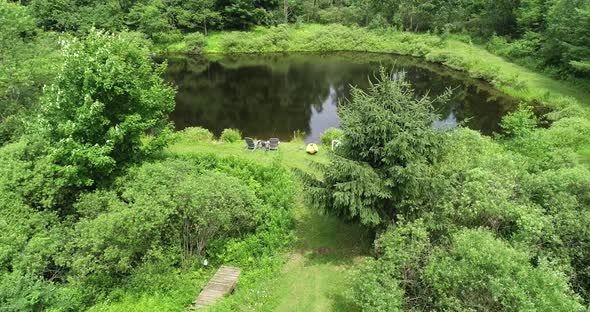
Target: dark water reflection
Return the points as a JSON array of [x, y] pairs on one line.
[[274, 95]]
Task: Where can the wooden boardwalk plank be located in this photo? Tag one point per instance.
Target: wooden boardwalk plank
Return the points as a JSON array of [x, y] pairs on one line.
[[224, 281]]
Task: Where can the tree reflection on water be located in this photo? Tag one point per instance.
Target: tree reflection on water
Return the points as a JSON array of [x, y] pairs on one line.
[[275, 95]]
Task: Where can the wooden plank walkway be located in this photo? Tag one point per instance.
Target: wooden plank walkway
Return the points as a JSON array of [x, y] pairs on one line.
[[224, 281]]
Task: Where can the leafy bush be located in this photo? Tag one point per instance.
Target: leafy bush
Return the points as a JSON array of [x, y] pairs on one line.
[[195, 42], [111, 87], [519, 123], [337, 37], [231, 135], [331, 134], [151, 219], [521, 48], [262, 40], [29, 61], [480, 271], [164, 38], [164, 205], [387, 283], [196, 134], [24, 292]]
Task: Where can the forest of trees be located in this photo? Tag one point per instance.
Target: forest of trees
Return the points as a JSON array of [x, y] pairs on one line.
[[95, 209], [547, 34]]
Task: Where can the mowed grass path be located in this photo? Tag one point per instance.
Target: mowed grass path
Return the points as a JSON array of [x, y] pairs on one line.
[[316, 276]]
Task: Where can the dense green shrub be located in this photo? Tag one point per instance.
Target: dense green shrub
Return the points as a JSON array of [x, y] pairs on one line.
[[24, 292], [230, 135], [158, 219], [148, 19], [195, 134], [481, 272], [108, 94], [195, 42], [519, 123], [29, 60], [337, 37], [270, 39], [165, 38], [521, 48], [331, 134], [386, 284], [171, 205]]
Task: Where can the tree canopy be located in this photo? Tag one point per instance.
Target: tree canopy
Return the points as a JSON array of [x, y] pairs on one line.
[[388, 144]]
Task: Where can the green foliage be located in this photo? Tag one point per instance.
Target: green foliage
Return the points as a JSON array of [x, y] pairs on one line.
[[568, 32], [534, 201], [157, 220], [155, 287], [148, 18], [28, 60], [387, 284], [521, 48], [388, 145], [338, 15], [242, 14], [230, 135], [472, 223], [480, 272], [194, 15], [78, 15], [195, 134], [93, 117], [530, 15], [331, 134], [195, 42], [276, 38], [21, 292], [164, 208], [519, 123], [555, 31]]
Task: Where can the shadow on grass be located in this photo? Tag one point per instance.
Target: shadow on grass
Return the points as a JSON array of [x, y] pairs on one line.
[[334, 259], [325, 239], [342, 304]]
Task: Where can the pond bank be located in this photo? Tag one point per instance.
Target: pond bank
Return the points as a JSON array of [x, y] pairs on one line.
[[564, 99], [451, 51], [277, 94]]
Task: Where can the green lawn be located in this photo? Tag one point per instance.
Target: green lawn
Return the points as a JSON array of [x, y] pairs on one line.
[[536, 86], [291, 154], [315, 276]]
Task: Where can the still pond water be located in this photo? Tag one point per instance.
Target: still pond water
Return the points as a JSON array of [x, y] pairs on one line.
[[275, 95]]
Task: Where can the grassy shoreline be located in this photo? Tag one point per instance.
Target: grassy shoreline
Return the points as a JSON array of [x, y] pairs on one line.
[[453, 51], [562, 98]]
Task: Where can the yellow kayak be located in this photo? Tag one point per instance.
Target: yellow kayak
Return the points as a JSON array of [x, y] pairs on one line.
[[312, 149]]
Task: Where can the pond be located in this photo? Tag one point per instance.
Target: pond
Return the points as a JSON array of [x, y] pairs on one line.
[[277, 95]]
